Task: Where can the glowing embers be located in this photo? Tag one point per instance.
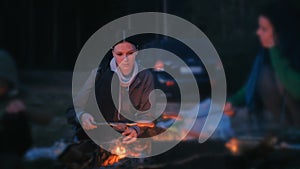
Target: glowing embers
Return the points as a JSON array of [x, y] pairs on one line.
[[119, 151]]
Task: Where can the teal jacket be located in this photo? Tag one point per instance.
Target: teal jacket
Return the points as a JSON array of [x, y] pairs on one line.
[[285, 73]]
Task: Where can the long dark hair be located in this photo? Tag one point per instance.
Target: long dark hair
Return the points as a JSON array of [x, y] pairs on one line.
[[104, 64], [285, 21]]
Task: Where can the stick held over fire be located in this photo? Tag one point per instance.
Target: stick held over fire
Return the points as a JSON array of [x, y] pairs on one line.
[[117, 124]]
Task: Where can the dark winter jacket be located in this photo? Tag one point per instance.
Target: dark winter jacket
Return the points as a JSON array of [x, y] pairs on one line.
[[139, 91], [14, 128]]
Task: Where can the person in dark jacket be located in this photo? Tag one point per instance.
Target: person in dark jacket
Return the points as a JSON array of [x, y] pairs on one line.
[[274, 81], [132, 85], [14, 127]]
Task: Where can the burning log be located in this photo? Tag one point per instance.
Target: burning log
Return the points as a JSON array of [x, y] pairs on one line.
[[112, 159], [118, 150]]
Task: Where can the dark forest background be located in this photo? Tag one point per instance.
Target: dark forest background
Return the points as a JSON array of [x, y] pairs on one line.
[[48, 34]]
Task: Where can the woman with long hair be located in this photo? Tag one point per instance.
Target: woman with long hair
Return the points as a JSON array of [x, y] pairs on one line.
[[133, 88], [274, 81]]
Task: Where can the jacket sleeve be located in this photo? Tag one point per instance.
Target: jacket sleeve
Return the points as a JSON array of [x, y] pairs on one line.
[[146, 108], [145, 99], [238, 99], [288, 76], [81, 99]]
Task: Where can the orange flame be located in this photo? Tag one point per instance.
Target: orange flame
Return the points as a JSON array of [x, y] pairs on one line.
[[119, 152], [233, 146]]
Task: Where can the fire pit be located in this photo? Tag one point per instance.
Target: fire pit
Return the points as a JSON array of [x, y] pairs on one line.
[[240, 152]]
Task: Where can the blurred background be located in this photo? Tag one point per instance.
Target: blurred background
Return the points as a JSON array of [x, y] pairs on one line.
[[45, 37], [48, 35]]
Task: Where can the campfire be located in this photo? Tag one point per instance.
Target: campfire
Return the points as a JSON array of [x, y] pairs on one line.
[[120, 151]]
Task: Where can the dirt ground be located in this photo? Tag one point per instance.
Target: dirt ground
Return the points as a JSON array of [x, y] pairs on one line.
[[47, 95]]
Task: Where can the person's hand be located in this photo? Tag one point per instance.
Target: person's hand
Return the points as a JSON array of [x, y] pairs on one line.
[[87, 121], [130, 134], [228, 109], [120, 127], [15, 107]]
